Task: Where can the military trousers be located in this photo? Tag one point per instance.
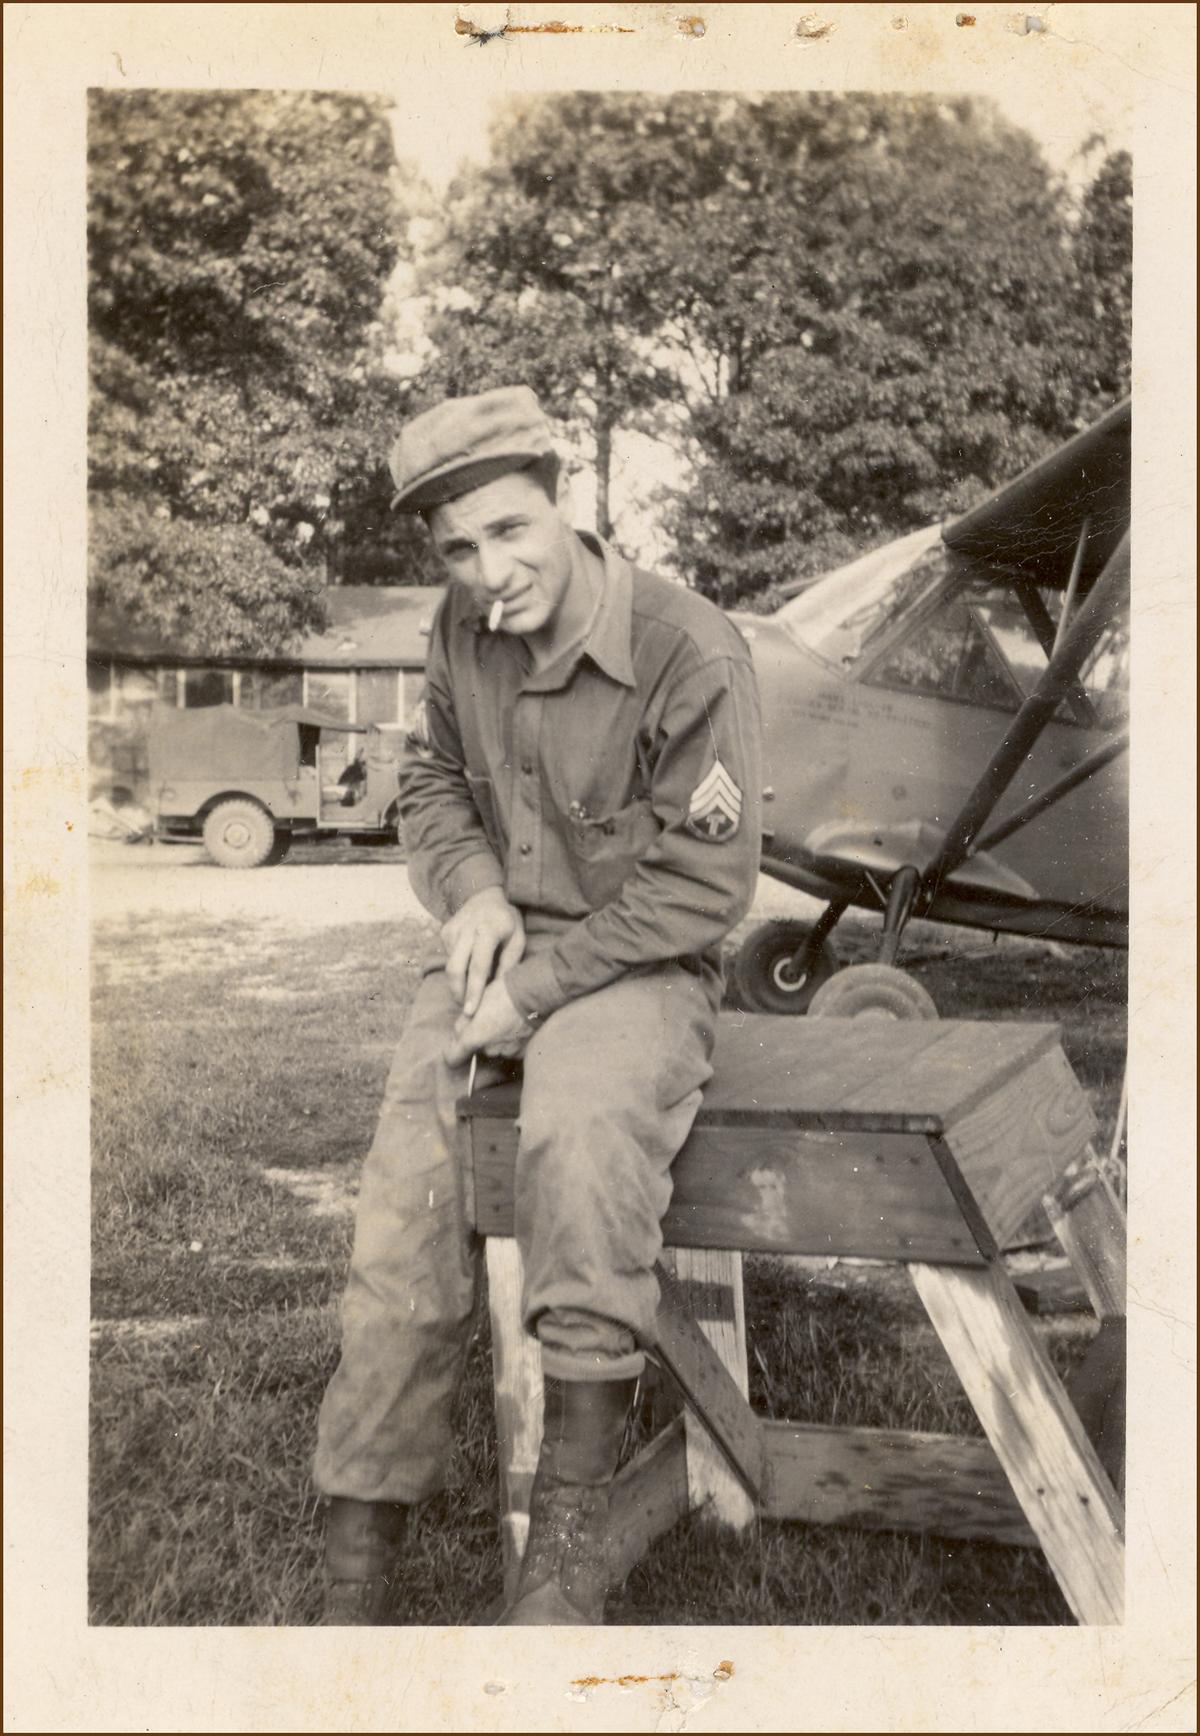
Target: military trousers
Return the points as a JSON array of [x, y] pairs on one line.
[[611, 1084]]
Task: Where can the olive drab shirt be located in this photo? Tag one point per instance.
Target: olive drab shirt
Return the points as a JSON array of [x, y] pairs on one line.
[[616, 793]]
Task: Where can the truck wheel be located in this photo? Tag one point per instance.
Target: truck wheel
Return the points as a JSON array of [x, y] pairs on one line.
[[239, 834], [763, 977]]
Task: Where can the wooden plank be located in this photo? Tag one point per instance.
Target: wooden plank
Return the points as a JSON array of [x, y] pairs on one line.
[[842, 1065], [774, 1070], [775, 1065], [648, 1496], [1015, 1143], [1089, 1221], [890, 1480], [710, 1281], [773, 1190], [1054, 1291], [1096, 1387], [973, 1059], [1053, 1468], [707, 1385], [517, 1375]]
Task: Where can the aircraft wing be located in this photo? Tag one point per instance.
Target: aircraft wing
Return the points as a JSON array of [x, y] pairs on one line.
[[1033, 522]]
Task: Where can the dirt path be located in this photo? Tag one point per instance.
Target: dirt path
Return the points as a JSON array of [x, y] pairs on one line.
[[304, 892]]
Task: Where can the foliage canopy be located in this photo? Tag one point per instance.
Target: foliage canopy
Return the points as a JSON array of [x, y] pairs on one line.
[[239, 244], [851, 314]]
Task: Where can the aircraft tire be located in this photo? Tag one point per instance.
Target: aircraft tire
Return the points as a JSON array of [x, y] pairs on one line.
[[872, 991], [761, 981], [239, 834]]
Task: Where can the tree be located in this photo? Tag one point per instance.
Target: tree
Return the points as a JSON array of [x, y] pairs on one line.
[[542, 271], [239, 245], [849, 313], [1103, 259], [905, 341]]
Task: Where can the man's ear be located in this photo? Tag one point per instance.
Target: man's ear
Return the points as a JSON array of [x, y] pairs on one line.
[[562, 492]]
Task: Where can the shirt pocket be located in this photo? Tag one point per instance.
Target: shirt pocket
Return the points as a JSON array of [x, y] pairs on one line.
[[484, 797], [607, 851]]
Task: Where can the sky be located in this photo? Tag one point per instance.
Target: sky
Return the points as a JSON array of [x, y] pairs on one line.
[[1060, 126]]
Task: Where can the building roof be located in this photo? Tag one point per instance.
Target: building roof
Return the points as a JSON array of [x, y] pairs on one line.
[[369, 625]]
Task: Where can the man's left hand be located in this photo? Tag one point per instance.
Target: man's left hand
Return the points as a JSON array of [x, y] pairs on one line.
[[497, 1028]]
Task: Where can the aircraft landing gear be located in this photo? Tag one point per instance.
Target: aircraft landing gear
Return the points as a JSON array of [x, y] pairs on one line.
[[872, 991], [880, 991], [902, 895], [781, 965]]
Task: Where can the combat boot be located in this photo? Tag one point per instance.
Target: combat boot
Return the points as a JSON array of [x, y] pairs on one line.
[[567, 1567], [362, 1559]]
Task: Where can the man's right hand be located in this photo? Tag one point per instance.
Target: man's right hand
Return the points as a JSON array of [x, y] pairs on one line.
[[486, 932]]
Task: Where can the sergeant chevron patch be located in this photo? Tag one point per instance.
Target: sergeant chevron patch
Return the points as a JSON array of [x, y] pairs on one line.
[[715, 810]]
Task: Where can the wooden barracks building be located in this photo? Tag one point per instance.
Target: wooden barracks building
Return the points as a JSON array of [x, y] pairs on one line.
[[366, 667]]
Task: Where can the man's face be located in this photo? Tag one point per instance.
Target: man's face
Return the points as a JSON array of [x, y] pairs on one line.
[[507, 541]]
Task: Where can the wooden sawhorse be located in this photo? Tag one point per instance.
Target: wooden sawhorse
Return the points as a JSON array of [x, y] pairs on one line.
[[924, 1143]]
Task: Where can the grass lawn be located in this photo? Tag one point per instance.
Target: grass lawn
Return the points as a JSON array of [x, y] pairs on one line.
[[237, 1072]]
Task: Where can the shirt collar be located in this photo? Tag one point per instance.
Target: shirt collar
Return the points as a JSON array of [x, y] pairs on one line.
[[609, 644], [609, 639]]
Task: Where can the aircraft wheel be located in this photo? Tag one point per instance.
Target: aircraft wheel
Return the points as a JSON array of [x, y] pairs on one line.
[[872, 991], [239, 834], [763, 979]]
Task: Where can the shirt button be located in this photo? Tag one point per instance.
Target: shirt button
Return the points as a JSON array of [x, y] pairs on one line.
[[527, 849], [527, 767]]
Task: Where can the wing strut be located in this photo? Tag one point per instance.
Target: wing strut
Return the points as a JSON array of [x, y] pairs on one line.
[[1042, 622], [1072, 583], [1082, 637], [1087, 768]]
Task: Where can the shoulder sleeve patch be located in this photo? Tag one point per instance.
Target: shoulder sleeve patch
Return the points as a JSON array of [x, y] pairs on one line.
[[715, 809]]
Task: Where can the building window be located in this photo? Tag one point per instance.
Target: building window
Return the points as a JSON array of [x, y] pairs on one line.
[[275, 687], [376, 698], [133, 686], [100, 686], [328, 690], [207, 687], [168, 686], [412, 692]]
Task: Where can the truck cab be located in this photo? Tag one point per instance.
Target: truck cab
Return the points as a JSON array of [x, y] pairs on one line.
[[249, 784]]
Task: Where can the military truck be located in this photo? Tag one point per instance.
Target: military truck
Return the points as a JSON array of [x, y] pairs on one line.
[[250, 784]]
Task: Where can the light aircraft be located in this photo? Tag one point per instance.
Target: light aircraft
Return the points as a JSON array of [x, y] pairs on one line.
[[945, 721]]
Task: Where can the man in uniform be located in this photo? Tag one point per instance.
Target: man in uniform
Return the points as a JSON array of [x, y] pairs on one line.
[[582, 814]]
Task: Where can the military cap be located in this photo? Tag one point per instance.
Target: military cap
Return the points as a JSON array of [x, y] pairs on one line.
[[464, 442]]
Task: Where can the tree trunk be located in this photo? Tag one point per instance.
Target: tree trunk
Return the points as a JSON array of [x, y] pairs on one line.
[[604, 433]]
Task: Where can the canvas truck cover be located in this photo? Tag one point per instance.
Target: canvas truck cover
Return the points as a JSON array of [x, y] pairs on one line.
[[226, 744]]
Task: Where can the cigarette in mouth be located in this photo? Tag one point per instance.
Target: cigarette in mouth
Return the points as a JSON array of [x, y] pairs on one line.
[[494, 615]]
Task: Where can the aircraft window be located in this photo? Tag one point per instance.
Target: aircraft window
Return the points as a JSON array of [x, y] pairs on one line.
[[949, 654], [1010, 629], [1104, 679], [848, 611]]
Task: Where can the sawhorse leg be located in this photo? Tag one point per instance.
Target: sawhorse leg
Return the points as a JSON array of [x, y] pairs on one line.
[[1054, 1470], [1089, 1221], [517, 1375], [711, 1280], [709, 1286]]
